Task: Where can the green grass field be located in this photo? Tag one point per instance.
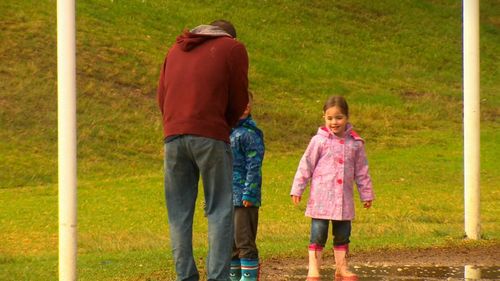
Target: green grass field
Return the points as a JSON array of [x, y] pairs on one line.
[[399, 64]]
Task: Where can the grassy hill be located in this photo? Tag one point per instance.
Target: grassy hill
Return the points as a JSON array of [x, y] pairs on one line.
[[399, 63]]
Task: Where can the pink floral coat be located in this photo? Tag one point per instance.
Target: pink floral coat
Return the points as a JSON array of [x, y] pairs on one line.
[[332, 165]]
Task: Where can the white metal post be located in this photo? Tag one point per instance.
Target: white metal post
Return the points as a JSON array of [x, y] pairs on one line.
[[472, 272], [471, 118], [66, 105]]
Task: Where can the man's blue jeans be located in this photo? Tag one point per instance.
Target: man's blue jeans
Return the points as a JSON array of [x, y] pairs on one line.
[[187, 158]]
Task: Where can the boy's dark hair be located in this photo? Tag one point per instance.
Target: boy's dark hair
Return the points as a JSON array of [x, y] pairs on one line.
[[226, 26], [337, 101]]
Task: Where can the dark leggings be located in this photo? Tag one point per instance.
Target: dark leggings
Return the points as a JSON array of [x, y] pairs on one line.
[[341, 232]]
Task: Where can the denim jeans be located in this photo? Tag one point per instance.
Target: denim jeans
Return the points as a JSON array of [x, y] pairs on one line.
[[187, 158], [341, 232]]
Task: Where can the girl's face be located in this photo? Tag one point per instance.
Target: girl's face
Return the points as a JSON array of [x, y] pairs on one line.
[[335, 121]]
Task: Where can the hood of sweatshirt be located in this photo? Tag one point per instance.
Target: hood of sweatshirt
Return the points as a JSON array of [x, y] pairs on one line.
[[189, 40]]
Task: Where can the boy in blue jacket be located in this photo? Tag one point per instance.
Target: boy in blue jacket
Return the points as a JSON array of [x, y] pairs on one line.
[[247, 143]]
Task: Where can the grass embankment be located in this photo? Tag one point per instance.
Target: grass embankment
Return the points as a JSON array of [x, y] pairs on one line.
[[397, 62]]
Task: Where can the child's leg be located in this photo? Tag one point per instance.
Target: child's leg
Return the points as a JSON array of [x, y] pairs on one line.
[[315, 253], [246, 222], [319, 235], [341, 231], [249, 269], [235, 271]]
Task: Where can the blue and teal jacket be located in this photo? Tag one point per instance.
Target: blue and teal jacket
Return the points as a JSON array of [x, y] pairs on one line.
[[247, 143]]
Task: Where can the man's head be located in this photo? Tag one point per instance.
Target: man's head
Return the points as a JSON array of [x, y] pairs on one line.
[[226, 26]]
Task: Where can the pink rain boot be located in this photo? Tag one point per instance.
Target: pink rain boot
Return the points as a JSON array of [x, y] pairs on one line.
[[341, 268], [315, 252]]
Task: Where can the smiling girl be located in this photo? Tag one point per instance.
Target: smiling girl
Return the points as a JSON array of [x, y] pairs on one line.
[[334, 159]]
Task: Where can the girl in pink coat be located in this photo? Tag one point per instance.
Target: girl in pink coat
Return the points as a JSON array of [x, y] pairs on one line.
[[333, 161]]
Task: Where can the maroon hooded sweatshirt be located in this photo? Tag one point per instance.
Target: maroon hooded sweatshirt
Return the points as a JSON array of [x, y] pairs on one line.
[[203, 87]]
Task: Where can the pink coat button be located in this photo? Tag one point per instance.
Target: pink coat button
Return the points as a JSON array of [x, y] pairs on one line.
[[339, 181], [341, 141], [341, 161]]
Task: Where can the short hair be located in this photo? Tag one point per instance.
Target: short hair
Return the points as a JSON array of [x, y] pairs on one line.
[[337, 101], [226, 26]]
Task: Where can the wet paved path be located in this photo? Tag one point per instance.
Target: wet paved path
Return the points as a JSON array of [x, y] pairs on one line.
[[407, 273], [428, 273]]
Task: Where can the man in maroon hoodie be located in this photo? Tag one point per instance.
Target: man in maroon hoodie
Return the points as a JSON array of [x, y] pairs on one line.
[[202, 92]]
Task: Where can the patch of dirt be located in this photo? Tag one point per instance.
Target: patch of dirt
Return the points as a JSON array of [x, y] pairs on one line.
[[483, 255]]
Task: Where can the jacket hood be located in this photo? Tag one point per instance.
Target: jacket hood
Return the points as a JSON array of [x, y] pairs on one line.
[[190, 39], [248, 122], [323, 131]]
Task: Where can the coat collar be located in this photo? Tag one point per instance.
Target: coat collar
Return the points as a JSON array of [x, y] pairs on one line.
[[323, 131]]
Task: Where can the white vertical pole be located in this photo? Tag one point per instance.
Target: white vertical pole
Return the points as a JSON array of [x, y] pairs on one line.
[[472, 272], [471, 118], [66, 104]]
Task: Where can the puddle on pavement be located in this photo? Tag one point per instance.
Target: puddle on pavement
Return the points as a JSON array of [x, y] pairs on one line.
[[413, 273]]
